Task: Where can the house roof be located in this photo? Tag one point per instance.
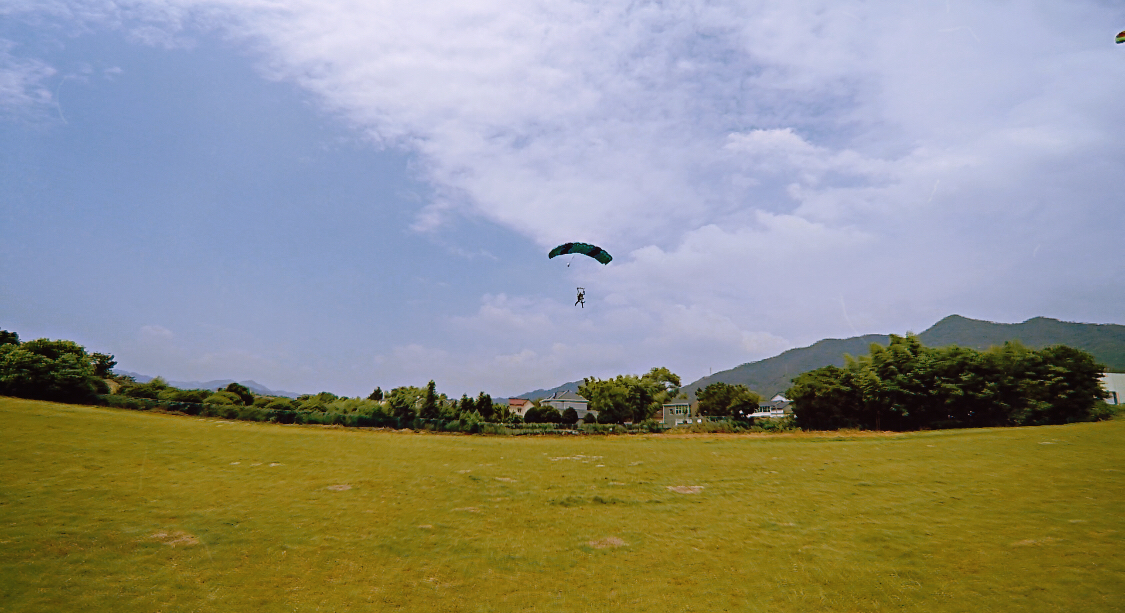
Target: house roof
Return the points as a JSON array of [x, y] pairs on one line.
[[567, 396], [517, 402]]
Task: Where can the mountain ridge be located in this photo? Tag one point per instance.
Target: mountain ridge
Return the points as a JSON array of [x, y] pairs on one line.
[[250, 384], [1106, 342]]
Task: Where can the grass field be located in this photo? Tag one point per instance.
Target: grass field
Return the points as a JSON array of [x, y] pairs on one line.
[[106, 510]]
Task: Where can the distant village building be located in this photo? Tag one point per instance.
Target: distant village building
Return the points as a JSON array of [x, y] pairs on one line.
[[779, 406], [562, 401], [1114, 383], [519, 406], [676, 413]]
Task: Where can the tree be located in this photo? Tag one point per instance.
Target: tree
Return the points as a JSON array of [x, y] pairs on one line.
[[569, 416], [242, 392], [376, 395], [725, 400], [404, 401], [664, 383], [907, 386], [485, 406], [47, 370], [629, 398], [429, 408], [103, 364], [542, 415], [9, 338]]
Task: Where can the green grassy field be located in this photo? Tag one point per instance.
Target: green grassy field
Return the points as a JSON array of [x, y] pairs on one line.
[[106, 510]]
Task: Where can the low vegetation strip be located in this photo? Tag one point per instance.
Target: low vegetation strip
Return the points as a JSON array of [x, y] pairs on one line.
[[102, 509]]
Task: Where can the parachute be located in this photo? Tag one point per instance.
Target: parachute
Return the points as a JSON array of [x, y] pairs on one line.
[[593, 251], [1121, 38]]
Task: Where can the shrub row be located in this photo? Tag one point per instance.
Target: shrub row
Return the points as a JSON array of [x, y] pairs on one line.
[[261, 414]]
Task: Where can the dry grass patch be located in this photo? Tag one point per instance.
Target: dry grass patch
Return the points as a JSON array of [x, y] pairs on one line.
[[608, 542], [1042, 541], [178, 537], [686, 489], [339, 488]]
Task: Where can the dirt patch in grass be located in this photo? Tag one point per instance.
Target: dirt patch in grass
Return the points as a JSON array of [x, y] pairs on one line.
[[1029, 542], [506, 479], [469, 509], [178, 537], [339, 488], [686, 489], [580, 458], [607, 542]]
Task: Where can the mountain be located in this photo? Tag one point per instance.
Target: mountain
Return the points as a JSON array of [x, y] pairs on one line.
[[537, 394], [1106, 342], [253, 386]]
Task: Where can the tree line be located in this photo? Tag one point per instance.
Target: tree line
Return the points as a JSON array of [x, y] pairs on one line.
[[908, 386], [903, 386]]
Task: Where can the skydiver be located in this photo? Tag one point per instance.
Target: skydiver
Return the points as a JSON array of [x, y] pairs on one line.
[[581, 297]]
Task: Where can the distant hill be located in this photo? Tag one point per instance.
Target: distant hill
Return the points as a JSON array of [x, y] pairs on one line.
[[1106, 342], [537, 394], [253, 386]]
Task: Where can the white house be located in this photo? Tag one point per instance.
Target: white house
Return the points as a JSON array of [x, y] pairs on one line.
[[519, 406], [779, 406], [1114, 383], [562, 401]]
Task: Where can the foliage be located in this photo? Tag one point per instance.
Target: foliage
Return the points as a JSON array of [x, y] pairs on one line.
[[403, 401], [376, 395], [543, 415], [908, 386], [242, 392], [46, 370], [9, 338], [629, 398], [103, 364], [224, 397], [429, 409], [725, 400], [569, 416]]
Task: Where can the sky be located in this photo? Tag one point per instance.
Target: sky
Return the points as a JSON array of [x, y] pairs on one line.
[[338, 195]]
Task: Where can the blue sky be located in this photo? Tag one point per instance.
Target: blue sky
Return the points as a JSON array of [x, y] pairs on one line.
[[326, 195]]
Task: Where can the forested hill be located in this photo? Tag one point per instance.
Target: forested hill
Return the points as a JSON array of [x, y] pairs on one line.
[[543, 393], [772, 376]]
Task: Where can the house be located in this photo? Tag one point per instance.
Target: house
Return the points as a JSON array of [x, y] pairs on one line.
[[519, 406], [676, 413], [779, 406], [562, 401], [1114, 383], [682, 413]]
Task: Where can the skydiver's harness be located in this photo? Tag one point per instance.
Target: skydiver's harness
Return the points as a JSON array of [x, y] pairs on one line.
[[581, 297]]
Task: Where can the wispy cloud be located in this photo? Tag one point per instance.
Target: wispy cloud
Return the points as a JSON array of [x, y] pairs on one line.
[[752, 164], [23, 83]]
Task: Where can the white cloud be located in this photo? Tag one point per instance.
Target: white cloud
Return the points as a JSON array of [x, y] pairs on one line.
[[23, 88], [757, 168], [155, 334]]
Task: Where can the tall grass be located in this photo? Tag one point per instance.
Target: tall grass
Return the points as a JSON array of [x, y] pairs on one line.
[[103, 509]]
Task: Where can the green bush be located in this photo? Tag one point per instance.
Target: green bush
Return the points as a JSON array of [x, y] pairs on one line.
[[118, 401], [47, 370], [223, 398]]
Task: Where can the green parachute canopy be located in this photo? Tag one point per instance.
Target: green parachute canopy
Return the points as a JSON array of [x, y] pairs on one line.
[[593, 251], [1121, 38]]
